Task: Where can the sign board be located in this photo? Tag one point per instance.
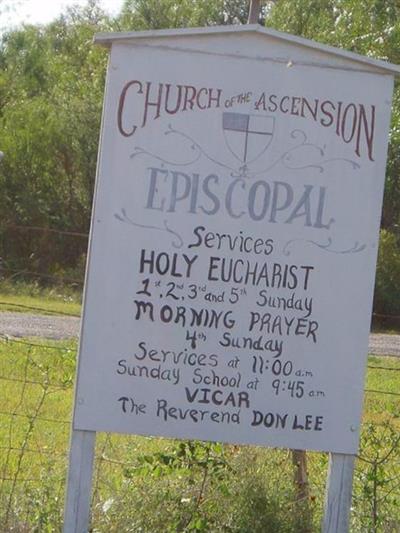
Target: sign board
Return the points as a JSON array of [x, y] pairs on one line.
[[234, 240]]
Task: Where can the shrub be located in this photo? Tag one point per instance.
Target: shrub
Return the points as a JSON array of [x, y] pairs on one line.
[[387, 287]]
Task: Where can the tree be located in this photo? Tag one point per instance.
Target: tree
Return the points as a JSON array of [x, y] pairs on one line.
[[51, 91], [368, 27], [51, 87], [158, 14]]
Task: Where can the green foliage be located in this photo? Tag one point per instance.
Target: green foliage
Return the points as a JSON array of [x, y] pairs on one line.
[[158, 14], [51, 86], [196, 486], [45, 504], [387, 301], [51, 90], [377, 487], [33, 298], [202, 465], [369, 27]]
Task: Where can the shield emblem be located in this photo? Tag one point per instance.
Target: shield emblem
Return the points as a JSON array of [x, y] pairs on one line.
[[247, 136]]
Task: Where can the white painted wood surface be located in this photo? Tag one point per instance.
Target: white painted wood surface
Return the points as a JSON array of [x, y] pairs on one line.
[[339, 493], [109, 38], [123, 384], [79, 486]]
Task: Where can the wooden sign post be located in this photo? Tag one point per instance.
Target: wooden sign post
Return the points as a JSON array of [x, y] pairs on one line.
[[233, 247], [79, 484], [339, 491], [254, 11]]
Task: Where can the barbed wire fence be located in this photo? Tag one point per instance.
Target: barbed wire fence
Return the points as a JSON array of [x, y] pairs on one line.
[[35, 417], [35, 423], [8, 273]]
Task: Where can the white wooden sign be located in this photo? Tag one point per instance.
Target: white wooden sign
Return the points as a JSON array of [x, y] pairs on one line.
[[234, 239]]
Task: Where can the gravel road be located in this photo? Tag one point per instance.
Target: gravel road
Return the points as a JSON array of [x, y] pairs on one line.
[[49, 327], [380, 344], [65, 327]]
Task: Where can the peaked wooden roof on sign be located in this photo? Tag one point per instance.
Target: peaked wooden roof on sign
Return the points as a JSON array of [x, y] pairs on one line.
[[107, 39]]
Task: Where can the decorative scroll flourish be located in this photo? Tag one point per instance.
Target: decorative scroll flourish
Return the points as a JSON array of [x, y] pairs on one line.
[[353, 164], [356, 248], [287, 158], [193, 145], [197, 146], [176, 243], [141, 151]]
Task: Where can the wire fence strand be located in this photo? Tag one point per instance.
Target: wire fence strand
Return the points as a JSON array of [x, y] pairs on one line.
[[46, 230], [44, 310], [9, 339], [24, 458]]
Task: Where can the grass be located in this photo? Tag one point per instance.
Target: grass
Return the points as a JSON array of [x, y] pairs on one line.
[[159, 485], [34, 299], [393, 329], [383, 375], [389, 325]]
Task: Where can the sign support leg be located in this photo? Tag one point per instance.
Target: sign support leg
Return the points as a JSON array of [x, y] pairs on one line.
[[254, 11], [339, 493], [79, 486]]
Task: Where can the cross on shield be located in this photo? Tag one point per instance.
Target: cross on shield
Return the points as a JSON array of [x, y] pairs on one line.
[[247, 136]]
